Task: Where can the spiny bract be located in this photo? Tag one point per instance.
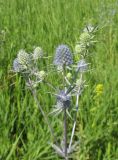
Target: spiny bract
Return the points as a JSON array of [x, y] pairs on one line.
[[63, 98], [82, 65]]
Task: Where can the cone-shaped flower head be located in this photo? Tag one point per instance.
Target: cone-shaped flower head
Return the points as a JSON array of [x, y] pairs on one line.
[[80, 48], [17, 66], [63, 99], [23, 57], [22, 61], [85, 37], [41, 75], [63, 56], [82, 66], [38, 53]]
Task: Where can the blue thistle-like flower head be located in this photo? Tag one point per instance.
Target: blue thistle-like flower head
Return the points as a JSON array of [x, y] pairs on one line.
[[63, 99], [17, 67], [63, 56]]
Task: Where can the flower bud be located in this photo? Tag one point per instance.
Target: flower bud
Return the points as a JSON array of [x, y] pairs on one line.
[[69, 75], [79, 48], [41, 75], [38, 53], [23, 57], [85, 37]]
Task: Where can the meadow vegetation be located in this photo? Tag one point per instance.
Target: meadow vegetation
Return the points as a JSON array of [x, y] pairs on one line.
[[26, 24]]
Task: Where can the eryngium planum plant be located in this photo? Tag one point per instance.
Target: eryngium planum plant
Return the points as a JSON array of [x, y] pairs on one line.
[[71, 69]]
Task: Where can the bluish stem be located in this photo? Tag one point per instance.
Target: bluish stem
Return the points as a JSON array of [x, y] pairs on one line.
[[75, 118], [65, 133], [43, 113]]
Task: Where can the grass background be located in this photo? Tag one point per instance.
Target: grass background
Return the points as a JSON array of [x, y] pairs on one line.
[[47, 23]]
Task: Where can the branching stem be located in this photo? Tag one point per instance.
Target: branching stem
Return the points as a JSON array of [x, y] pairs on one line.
[[75, 118], [43, 113]]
